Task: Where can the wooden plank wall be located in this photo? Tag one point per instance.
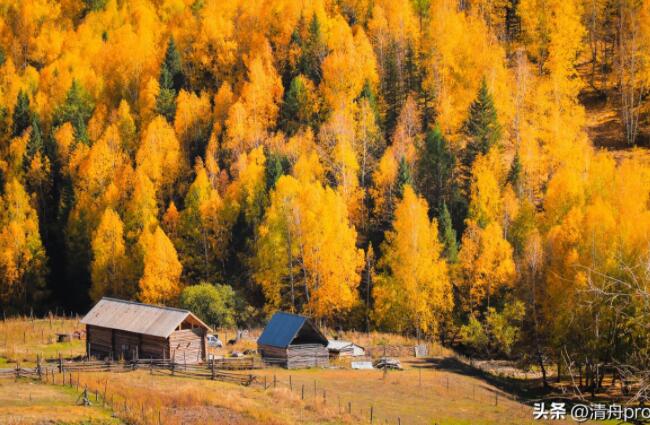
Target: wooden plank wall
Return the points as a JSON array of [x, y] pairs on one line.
[[127, 345], [296, 356], [153, 347], [99, 341], [187, 345]]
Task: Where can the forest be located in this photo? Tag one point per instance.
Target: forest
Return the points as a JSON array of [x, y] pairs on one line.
[[423, 167]]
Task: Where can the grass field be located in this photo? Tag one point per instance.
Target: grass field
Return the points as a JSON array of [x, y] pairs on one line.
[[438, 390], [22, 340], [26, 402]]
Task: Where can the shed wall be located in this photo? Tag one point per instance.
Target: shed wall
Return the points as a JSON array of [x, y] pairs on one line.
[[187, 345]]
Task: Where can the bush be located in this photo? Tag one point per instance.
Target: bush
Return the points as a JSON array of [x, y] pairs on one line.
[[216, 305], [499, 331]]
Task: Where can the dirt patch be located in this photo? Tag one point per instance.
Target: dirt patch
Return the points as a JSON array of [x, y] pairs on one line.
[[208, 414]]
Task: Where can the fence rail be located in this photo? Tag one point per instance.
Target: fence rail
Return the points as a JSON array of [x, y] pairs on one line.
[[211, 371]]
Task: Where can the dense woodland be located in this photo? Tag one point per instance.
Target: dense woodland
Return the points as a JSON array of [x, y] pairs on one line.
[[418, 166]]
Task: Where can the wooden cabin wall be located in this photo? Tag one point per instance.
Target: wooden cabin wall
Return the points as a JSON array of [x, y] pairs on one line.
[[295, 356], [126, 345], [99, 341], [153, 347], [187, 345]]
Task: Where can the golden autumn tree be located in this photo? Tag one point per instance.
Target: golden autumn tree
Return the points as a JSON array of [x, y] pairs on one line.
[[486, 257], [203, 230], [159, 156], [306, 255], [413, 290], [160, 281], [23, 260], [109, 268], [255, 112]]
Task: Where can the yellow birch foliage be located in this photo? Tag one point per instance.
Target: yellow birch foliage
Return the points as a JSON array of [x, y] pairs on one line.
[[306, 254], [413, 291], [256, 110], [160, 282], [486, 263], [192, 121], [109, 268], [159, 155], [22, 256]]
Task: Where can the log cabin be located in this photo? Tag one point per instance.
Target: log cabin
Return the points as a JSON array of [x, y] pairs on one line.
[[293, 341], [119, 329]]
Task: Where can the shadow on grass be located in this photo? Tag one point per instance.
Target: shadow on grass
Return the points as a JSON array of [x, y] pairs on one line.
[[524, 390]]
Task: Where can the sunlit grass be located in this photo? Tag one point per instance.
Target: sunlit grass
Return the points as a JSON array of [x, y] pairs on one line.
[[23, 340], [27, 402]]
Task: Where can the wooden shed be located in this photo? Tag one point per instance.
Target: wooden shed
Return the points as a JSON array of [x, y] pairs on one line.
[[128, 330], [338, 348], [293, 341]]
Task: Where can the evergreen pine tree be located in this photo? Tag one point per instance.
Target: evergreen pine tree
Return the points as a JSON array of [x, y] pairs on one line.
[[34, 144], [22, 114], [514, 175], [94, 5], [313, 52], [368, 93], [393, 89], [276, 166], [448, 235], [170, 81], [77, 110], [482, 127], [292, 65], [434, 169], [296, 108], [403, 176]]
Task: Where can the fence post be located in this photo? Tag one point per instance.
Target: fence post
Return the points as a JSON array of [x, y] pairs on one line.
[[38, 367], [371, 414], [349, 407], [496, 398], [104, 398], [274, 381], [324, 397], [290, 384], [60, 363], [212, 367], [302, 394], [264, 382]]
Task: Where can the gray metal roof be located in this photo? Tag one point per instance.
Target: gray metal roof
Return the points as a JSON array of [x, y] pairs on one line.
[[283, 328], [139, 318]]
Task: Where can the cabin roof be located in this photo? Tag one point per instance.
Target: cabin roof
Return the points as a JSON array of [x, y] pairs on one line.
[[138, 318], [284, 328]]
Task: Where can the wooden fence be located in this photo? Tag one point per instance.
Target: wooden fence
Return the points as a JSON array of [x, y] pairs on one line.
[[210, 371]]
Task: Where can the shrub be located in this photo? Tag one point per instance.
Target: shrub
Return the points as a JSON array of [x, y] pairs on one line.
[[214, 304]]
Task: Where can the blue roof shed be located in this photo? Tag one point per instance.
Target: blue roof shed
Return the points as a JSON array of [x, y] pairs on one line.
[[287, 329]]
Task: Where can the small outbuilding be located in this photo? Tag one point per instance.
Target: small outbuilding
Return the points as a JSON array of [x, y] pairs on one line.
[[338, 348], [120, 329], [293, 341]]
